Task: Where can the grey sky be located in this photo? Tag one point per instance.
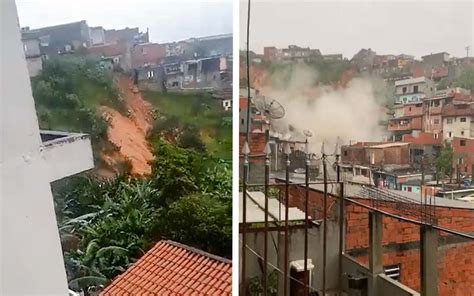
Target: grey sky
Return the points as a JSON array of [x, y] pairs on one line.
[[168, 20], [416, 28]]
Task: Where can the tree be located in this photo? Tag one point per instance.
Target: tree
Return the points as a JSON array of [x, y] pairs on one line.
[[190, 139], [466, 79], [202, 221], [444, 161], [187, 199], [175, 171]]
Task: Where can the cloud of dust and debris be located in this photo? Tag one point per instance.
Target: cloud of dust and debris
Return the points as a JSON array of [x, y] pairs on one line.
[[352, 112]]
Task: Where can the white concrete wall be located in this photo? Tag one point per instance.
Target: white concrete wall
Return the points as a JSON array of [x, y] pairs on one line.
[[67, 156], [456, 127], [30, 250], [34, 65], [31, 47], [97, 35]]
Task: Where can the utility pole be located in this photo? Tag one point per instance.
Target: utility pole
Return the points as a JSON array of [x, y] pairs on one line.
[[422, 181], [467, 50]]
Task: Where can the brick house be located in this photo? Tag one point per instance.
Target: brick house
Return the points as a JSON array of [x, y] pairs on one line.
[[147, 54], [401, 240], [270, 53], [377, 154], [463, 161]]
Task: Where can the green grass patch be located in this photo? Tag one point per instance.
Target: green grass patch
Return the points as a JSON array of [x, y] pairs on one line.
[[201, 111], [68, 94]]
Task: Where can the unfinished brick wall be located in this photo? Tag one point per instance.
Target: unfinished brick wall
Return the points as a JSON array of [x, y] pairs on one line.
[[456, 269], [401, 240], [466, 152], [256, 143], [409, 261], [315, 201]]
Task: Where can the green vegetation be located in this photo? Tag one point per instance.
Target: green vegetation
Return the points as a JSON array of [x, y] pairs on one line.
[[69, 92], [193, 120], [187, 199], [466, 79], [256, 287], [106, 225], [444, 161]]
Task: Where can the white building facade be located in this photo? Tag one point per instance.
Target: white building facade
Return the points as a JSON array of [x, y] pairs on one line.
[[31, 261]]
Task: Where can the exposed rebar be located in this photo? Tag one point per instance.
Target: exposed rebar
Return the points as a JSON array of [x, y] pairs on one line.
[[306, 219], [244, 224], [287, 197], [265, 243], [325, 226]]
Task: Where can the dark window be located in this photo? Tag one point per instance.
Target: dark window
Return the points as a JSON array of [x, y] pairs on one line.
[[463, 119], [462, 142], [415, 89], [436, 121], [409, 109], [241, 121], [404, 90], [345, 152], [436, 103], [393, 271]]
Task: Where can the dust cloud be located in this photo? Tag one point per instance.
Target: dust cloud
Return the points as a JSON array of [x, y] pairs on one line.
[[352, 112]]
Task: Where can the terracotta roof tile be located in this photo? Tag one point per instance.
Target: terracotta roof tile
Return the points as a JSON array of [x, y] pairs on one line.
[[170, 268]]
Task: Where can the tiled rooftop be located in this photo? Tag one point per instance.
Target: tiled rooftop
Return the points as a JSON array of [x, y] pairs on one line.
[[170, 268]]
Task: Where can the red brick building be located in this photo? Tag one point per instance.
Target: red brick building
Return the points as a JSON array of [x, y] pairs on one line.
[[401, 240], [377, 153], [463, 149], [269, 53], [147, 54]]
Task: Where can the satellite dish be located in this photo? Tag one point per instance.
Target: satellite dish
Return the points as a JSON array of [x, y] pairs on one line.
[[307, 133], [269, 107]]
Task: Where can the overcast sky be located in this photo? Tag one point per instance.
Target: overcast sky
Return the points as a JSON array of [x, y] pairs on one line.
[[416, 27], [168, 20]]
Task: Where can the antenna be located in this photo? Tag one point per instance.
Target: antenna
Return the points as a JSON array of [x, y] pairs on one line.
[[269, 107], [308, 133], [467, 50]]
